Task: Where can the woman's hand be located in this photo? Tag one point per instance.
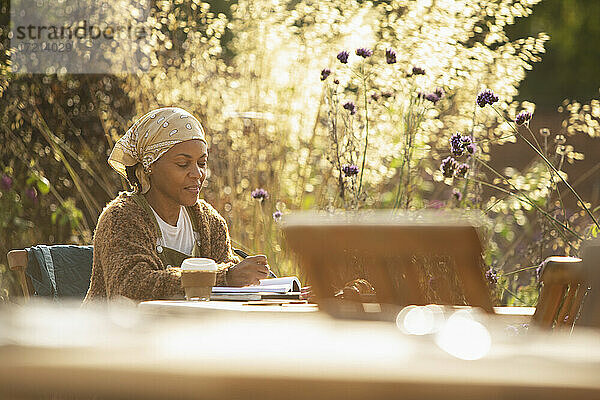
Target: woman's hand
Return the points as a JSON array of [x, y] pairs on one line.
[[248, 272]]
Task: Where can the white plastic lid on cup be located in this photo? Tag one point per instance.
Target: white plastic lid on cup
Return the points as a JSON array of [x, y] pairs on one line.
[[199, 264]]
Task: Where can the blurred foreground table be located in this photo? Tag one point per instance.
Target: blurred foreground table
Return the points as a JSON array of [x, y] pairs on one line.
[[243, 306], [512, 315], [124, 353]]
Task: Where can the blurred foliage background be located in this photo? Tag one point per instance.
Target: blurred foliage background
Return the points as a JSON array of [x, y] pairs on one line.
[[250, 71]]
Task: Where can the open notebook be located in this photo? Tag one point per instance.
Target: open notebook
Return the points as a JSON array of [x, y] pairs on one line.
[[285, 285]]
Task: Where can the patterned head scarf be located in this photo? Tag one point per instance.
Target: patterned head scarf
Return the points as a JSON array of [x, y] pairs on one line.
[[150, 137]]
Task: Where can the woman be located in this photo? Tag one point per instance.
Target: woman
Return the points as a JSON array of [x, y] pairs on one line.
[[143, 236]]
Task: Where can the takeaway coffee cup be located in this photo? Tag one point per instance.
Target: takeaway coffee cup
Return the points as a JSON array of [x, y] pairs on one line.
[[198, 276]]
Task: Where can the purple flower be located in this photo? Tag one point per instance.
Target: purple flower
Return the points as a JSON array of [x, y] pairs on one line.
[[492, 276], [523, 117], [364, 52], [432, 97], [277, 215], [375, 96], [31, 193], [486, 97], [350, 169], [350, 106], [418, 71], [343, 57], [6, 182], [457, 194], [260, 194], [456, 145], [325, 73], [471, 148], [448, 166], [462, 170], [439, 92], [466, 140], [390, 56]]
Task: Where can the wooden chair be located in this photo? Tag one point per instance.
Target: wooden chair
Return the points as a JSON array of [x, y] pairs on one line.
[[590, 311], [17, 262], [380, 248], [564, 285]]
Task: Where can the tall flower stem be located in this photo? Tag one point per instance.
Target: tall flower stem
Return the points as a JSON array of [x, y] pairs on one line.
[[557, 224], [527, 199], [362, 168], [416, 123], [520, 270], [587, 210], [519, 195], [336, 143], [562, 206], [266, 232], [411, 125]]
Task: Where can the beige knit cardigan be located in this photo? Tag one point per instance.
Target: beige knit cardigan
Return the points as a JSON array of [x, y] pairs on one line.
[[126, 262]]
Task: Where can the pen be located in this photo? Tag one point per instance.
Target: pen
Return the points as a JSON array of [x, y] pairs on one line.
[[243, 254]]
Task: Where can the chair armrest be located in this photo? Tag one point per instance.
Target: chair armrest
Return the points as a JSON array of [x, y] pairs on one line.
[[17, 260]]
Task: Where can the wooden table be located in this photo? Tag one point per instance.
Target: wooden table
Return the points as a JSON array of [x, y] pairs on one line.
[[125, 353]]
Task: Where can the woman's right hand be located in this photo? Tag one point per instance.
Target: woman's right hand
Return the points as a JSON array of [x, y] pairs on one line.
[[249, 271]]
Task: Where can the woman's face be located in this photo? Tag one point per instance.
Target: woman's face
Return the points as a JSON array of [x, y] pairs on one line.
[[177, 175]]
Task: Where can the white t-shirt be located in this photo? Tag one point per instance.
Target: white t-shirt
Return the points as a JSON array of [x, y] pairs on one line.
[[180, 237]]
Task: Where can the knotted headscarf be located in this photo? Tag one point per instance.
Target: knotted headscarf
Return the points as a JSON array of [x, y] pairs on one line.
[[150, 137]]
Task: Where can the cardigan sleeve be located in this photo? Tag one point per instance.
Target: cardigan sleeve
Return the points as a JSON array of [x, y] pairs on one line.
[[130, 266]]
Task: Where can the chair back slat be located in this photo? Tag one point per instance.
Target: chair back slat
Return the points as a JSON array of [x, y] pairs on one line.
[[562, 290], [551, 297], [564, 313], [574, 308], [590, 312]]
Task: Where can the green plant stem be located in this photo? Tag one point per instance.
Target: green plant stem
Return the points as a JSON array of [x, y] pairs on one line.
[[513, 294], [413, 133], [494, 139], [410, 128], [92, 206], [266, 234], [562, 206], [551, 166], [528, 200], [362, 168], [53, 190], [496, 202], [520, 270]]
